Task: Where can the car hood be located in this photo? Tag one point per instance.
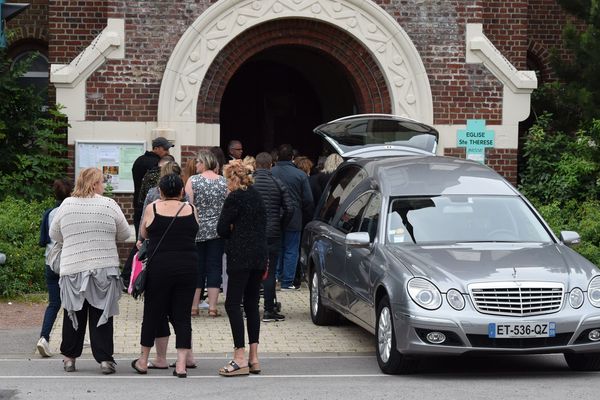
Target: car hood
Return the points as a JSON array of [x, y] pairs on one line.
[[457, 265]]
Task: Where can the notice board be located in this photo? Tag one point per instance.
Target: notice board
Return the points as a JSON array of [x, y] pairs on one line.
[[115, 159]]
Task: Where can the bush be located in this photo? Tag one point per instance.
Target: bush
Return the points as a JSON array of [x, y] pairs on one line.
[[23, 271], [583, 218], [560, 166]]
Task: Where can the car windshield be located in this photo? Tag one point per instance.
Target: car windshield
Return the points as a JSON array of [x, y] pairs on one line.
[[459, 219]]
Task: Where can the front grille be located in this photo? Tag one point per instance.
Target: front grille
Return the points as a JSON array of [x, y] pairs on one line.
[[561, 339], [517, 298]]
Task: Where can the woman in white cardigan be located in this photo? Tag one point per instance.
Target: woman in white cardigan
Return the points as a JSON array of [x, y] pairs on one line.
[[88, 226]]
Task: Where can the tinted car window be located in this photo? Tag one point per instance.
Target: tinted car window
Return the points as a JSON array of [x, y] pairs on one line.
[[340, 187], [370, 219], [350, 219], [459, 218]]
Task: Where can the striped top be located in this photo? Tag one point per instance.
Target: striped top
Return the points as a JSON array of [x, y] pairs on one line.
[[88, 227]]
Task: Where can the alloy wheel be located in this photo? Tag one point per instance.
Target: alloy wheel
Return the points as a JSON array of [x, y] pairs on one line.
[[314, 294], [384, 334]]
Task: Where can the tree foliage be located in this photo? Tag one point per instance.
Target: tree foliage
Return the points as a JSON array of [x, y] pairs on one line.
[[562, 157], [574, 100], [32, 139]]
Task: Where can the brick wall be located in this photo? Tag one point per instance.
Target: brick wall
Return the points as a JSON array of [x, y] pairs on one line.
[[31, 23], [545, 25], [503, 161], [505, 23]]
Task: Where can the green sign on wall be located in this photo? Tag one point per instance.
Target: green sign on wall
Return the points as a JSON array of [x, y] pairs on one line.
[[476, 138]]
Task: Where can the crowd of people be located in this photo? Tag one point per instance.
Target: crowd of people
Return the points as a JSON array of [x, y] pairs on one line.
[[219, 224]]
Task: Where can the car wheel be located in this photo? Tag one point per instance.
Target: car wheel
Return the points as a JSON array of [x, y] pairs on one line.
[[390, 360], [319, 314], [583, 361]]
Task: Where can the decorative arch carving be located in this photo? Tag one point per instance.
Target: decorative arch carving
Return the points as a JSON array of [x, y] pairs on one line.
[[370, 25], [361, 71]]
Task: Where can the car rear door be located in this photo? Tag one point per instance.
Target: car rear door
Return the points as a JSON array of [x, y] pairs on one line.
[[329, 241]]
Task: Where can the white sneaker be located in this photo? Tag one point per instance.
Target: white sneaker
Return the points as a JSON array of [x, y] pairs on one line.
[[43, 347], [203, 305]]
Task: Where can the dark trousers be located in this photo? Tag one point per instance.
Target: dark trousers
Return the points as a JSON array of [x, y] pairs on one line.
[[269, 283], [243, 286], [101, 337], [53, 303], [168, 297]]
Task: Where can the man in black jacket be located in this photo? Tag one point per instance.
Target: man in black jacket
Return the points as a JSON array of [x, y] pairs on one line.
[[145, 162], [302, 199], [279, 212]]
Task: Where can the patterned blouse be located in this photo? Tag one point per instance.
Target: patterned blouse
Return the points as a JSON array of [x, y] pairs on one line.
[[209, 196]]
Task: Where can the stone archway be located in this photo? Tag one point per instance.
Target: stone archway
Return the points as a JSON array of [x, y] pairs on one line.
[[360, 69], [370, 25]]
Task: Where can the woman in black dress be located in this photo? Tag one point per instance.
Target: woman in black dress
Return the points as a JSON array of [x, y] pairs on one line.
[[172, 272], [243, 223]]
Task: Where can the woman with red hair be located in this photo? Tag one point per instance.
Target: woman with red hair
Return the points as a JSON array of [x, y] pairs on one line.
[[243, 223]]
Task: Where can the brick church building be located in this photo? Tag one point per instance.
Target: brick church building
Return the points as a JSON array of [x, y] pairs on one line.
[[202, 72]]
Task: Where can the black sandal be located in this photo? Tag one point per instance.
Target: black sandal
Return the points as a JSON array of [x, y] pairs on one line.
[[191, 366], [235, 371], [137, 369]]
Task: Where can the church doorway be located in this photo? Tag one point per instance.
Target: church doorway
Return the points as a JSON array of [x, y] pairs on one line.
[[280, 95]]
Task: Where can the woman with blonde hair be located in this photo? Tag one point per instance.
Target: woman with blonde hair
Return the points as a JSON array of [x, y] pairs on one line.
[[243, 223], [207, 191], [88, 226], [250, 162]]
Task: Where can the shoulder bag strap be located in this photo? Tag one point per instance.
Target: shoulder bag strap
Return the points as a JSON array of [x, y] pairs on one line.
[[164, 234]]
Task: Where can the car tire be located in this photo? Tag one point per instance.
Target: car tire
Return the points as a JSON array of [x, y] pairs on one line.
[[583, 361], [319, 314], [390, 360]]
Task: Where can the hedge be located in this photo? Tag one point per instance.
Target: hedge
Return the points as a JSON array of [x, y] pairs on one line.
[[23, 271]]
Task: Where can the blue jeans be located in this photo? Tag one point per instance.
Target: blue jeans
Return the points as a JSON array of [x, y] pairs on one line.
[[53, 303], [210, 268], [286, 266]]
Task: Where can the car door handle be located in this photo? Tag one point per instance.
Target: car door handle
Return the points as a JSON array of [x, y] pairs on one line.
[[348, 254]]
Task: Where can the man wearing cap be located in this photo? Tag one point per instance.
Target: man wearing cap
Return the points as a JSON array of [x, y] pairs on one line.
[[145, 162], [148, 160]]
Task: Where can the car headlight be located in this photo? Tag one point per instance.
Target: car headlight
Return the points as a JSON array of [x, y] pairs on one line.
[[576, 297], [424, 293], [455, 299], [594, 291]]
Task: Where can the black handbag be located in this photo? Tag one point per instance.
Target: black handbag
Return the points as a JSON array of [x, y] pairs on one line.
[[139, 285], [143, 250]]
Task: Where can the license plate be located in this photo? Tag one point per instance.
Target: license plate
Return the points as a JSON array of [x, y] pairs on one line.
[[522, 330]]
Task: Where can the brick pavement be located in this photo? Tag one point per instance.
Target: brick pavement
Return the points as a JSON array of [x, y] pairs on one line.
[[297, 334]]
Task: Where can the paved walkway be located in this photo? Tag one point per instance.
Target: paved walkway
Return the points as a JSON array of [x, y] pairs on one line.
[[297, 334]]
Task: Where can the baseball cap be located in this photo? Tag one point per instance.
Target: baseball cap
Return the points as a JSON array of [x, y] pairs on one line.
[[161, 142]]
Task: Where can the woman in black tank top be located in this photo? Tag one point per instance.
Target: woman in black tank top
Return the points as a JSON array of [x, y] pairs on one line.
[[172, 271]]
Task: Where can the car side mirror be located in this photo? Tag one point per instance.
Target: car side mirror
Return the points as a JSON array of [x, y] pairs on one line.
[[570, 238], [358, 239]]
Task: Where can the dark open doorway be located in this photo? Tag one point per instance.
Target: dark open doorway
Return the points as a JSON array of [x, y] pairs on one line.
[[279, 95]]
